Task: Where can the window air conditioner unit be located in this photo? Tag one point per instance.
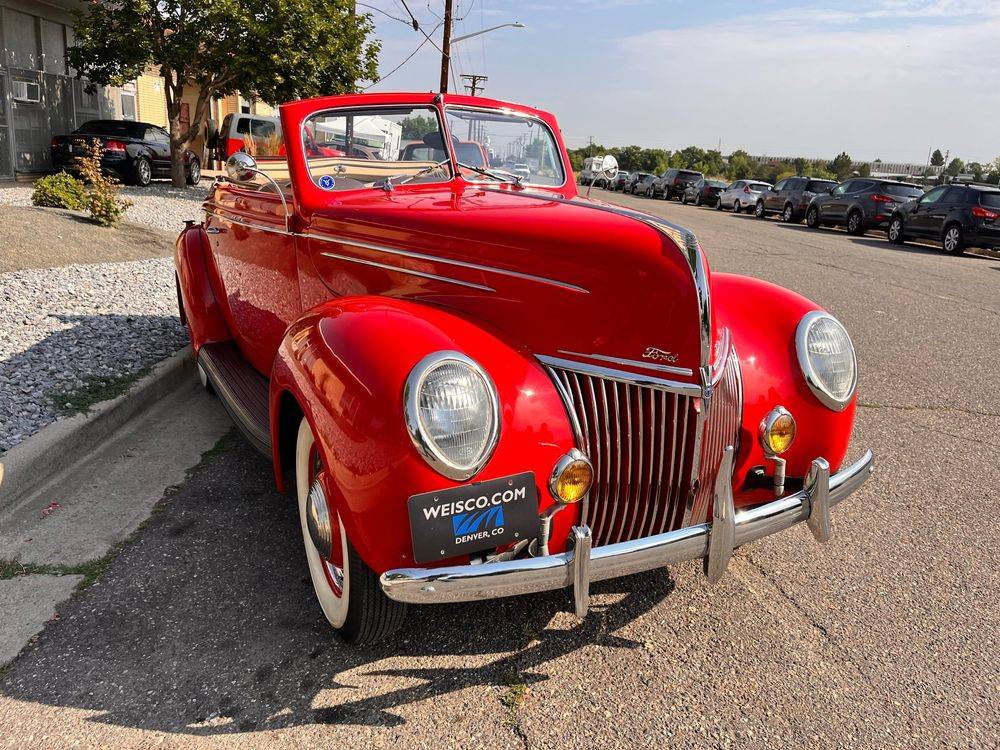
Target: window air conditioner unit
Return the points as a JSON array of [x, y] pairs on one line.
[[26, 91]]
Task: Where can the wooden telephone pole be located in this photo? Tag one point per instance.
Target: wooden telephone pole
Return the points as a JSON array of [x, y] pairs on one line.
[[446, 47], [473, 84]]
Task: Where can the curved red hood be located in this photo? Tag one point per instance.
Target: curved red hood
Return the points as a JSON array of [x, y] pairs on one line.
[[567, 278]]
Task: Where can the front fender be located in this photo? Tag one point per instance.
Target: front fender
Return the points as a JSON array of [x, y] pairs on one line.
[[762, 319], [346, 361], [198, 301]]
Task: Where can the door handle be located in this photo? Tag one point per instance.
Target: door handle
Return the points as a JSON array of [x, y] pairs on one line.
[[214, 230]]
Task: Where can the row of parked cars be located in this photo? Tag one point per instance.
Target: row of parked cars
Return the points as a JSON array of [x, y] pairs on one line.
[[958, 215]]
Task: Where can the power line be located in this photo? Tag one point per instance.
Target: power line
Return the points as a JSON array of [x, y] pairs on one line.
[[405, 60]]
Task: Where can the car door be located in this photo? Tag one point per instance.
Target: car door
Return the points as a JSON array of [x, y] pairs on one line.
[[942, 209], [157, 143], [834, 206], [774, 198], [693, 189], [919, 222], [729, 194]]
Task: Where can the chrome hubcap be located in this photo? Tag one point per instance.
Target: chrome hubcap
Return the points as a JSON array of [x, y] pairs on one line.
[[318, 520], [951, 239]]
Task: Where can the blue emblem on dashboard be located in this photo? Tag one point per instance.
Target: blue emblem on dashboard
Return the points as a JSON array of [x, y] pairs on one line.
[[479, 520], [326, 182]]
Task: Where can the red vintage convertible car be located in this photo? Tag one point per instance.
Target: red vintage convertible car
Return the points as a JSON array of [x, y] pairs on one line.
[[486, 385]]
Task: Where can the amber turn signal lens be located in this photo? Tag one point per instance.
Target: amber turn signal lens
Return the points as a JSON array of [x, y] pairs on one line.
[[571, 478], [777, 431]]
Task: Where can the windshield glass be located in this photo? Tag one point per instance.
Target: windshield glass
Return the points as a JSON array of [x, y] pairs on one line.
[[901, 191], [356, 148], [758, 186], [990, 200], [511, 143]]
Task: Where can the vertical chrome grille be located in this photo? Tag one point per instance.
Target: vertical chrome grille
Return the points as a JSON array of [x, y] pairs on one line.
[[640, 440], [722, 429]]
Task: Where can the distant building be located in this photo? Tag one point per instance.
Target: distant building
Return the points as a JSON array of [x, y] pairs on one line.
[[900, 169]]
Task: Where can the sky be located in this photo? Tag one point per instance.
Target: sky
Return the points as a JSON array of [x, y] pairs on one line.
[[884, 79]]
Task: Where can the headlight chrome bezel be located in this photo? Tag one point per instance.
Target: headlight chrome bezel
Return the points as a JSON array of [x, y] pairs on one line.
[[805, 364], [424, 444]]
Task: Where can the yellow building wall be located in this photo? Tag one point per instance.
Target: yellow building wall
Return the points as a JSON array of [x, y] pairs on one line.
[[151, 101]]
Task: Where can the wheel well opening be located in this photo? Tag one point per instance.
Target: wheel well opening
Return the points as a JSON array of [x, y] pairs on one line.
[[289, 417]]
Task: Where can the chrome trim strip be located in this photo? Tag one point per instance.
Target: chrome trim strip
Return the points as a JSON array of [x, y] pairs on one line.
[[581, 570], [340, 240], [410, 271], [631, 362], [262, 227], [461, 583], [568, 403], [685, 389]]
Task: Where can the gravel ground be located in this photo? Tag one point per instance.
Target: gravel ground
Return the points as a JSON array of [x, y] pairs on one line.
[[61, 326], [160, 205]]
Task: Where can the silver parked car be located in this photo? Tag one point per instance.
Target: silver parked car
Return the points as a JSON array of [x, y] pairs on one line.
[[741, 195]]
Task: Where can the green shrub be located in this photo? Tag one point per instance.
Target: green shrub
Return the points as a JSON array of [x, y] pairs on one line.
[[106, 207], [61, 190]]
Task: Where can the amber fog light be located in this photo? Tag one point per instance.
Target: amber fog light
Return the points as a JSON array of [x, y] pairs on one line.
[[571, 477], [777, 431]]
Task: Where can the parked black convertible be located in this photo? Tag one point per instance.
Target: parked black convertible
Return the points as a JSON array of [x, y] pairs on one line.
[[135, 152]]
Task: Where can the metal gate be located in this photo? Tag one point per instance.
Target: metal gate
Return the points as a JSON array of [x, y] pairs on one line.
[[6, 160]]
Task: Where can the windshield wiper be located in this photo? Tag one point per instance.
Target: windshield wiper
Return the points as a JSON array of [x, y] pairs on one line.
[[498, 174], [390, 182]]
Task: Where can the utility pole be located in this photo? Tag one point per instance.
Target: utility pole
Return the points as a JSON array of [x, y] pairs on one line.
[[473, 83], [446, 47]]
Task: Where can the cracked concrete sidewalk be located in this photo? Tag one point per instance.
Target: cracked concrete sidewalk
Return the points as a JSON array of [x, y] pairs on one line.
[[63, 532]]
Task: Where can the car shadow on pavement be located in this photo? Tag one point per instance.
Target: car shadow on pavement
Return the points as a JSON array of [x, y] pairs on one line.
[[206, 625]]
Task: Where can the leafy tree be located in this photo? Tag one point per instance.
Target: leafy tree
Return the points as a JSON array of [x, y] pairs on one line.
[[937, 158], [274, 50], [978, 170], [740, 166], [712, 164], [955, 167], [865, 170], [416, 127], [801, 166], [841, 166]]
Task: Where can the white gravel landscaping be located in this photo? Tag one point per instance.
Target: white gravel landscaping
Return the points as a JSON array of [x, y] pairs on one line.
[[61, 326], [160, 205]]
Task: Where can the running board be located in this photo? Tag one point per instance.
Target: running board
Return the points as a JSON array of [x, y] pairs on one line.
[[242, 390]]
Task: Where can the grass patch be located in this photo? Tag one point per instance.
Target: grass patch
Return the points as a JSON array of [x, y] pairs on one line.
[[221, 446], [516, 691], [91, 570], [95, 389]]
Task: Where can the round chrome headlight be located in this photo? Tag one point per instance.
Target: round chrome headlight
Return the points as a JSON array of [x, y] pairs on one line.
[[452, 413], [826, 356]]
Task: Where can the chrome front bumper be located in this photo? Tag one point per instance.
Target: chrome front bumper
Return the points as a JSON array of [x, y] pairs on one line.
[[581, 564]]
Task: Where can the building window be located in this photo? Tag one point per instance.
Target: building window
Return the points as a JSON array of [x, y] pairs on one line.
[[54, 47], [22, 40], [128, 105], [245, 106]]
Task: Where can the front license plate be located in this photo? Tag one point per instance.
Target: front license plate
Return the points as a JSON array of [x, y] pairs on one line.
[[473, 518]]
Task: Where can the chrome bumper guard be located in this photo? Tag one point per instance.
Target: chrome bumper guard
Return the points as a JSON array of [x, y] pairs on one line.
[[581, 564]]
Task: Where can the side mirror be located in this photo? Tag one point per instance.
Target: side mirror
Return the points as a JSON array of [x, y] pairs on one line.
[[211, 132], [608, 167], [241, 166]]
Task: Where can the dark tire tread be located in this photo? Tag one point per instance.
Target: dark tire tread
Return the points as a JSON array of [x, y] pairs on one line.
[[372, 616]]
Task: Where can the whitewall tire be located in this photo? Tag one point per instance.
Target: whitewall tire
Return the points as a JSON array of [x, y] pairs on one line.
[[347, 590]]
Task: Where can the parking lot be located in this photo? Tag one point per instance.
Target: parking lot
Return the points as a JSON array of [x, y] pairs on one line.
[[204, 630]]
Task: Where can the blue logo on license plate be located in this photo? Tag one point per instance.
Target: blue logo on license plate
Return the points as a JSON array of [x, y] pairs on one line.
[[479, 520]]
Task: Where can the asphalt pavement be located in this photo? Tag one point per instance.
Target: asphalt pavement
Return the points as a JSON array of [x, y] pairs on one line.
[[204, 630]]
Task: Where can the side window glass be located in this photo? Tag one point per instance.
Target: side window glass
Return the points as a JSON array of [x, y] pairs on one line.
[[954, 195], [842, 188], [934, 195], [780, 186]]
